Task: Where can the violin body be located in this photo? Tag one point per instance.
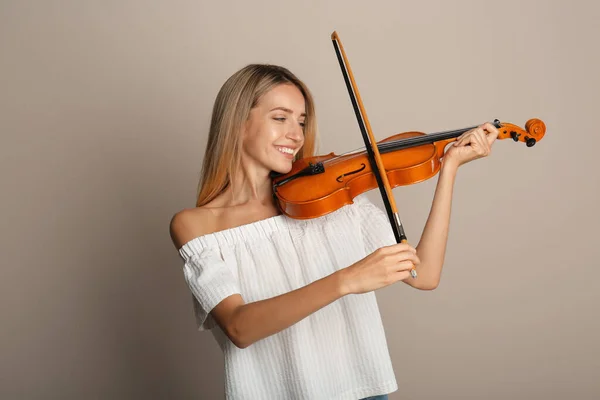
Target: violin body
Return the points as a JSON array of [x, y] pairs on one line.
[[351, 175], [309, 192]]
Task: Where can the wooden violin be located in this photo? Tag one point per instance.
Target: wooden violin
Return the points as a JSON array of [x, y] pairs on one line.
[[318, 185]]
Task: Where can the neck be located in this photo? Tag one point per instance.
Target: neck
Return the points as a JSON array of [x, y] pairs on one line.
[[250, 187]]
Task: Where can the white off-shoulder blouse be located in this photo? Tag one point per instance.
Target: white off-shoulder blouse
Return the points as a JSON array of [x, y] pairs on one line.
[[340, 351]]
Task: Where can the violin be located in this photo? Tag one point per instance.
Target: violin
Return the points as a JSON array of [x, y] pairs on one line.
[[319, 185]]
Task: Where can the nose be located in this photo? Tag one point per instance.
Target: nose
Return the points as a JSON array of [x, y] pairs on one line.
[[295, 132]]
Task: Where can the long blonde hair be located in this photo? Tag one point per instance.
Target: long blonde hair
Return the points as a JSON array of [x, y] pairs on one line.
[[238, 95]]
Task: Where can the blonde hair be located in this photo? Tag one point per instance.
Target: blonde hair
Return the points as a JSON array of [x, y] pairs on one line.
[[238, 95]]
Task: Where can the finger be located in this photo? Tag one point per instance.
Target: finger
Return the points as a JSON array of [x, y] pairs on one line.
[[415, 259], [476, 144], [483, 146], [472, 139], [490, 128], [462, 138], [400, 247], [400, 276], [485, 131], [486, 143], [493, 132], [389, 250], [395, 253], [405, 265], [409, 257]]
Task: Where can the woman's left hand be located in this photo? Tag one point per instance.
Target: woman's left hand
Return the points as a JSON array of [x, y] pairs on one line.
[[471, 145]]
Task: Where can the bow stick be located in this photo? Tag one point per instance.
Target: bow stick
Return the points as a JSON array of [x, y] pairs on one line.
[[371, 145]]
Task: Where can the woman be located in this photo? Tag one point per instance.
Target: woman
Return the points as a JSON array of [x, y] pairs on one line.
[[291, 302]]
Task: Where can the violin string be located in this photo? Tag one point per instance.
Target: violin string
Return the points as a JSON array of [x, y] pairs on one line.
[[382, 146], [334, 160], [408, 141]]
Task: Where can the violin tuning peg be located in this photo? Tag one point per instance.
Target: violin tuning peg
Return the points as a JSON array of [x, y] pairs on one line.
[[515, 136], [530, 142]]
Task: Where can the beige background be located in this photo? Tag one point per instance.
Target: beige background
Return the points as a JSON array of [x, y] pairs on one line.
[[104, 109]]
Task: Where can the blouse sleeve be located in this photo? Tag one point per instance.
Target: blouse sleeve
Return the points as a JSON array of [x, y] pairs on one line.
[[374, 225], [210, 281]]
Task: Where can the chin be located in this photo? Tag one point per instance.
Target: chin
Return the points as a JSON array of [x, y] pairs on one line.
[[282, 170]]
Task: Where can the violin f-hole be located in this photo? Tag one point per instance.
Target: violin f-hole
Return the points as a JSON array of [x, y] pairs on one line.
[[341, 177]]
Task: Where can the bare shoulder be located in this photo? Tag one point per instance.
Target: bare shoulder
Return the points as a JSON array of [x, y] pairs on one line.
[[190, 223]]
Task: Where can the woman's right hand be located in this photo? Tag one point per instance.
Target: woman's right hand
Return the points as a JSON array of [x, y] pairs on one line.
[[381, 268]]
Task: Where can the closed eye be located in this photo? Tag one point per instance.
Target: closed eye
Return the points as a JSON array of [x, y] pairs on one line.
[[282, 119]]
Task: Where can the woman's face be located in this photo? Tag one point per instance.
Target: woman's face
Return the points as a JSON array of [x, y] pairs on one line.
[[274, 132]]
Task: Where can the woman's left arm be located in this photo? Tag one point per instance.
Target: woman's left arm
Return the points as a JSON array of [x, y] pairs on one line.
[[431, 249]]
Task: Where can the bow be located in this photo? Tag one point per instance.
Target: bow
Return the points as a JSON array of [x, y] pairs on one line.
[[371, 145]]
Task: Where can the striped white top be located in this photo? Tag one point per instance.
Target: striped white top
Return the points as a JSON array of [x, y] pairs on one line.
[[338, 352]]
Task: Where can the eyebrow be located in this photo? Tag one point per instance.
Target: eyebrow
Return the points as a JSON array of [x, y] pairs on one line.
[[287, 110]]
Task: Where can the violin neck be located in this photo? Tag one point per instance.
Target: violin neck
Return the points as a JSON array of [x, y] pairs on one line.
[[400, 144]]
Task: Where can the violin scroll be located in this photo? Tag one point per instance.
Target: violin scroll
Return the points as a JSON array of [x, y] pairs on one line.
[[534, 132]]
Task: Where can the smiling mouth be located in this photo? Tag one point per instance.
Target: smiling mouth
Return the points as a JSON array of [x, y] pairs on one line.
[[285, 150]]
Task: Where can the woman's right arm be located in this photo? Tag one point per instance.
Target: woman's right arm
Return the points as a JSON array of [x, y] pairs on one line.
[[247, 323]]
